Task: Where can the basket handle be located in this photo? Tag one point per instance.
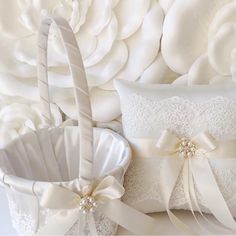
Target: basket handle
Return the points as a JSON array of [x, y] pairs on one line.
[[80, 89]]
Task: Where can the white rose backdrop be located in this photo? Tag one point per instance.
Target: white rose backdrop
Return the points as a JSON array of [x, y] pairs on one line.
[[199, 40], [150, 41], [118, 39], [19, 116]]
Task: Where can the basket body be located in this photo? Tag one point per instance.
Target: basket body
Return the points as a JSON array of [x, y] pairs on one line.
[[50, 156]]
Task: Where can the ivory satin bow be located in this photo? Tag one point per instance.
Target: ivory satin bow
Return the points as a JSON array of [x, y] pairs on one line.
[[102, 196], [190, 157]]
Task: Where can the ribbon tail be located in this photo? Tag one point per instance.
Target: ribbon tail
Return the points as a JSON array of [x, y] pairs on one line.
[[195, 202], [170, 172], [192, 190], [92, 224], [179, 224], [175, 220], [208, 187], [57, 225], [134, 221], [191, 195], [82, 222], [186, 183]]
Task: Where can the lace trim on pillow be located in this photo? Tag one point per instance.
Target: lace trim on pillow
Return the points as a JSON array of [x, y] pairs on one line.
[[144, 117]]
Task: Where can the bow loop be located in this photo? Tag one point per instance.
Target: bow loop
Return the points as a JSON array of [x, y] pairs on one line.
[[106, 191], [85, 201], [57, 197], [205, 142], [108, 188], [172, 144], [168, 141]]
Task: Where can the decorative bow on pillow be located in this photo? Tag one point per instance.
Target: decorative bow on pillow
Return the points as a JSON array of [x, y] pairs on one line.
[[190, 156], [102, 195]]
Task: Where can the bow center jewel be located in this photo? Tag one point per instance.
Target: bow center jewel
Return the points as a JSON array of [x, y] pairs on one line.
[[187, 148], [88, 204]]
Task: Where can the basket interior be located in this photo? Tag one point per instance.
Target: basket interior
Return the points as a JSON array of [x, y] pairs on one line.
[[53, 155]]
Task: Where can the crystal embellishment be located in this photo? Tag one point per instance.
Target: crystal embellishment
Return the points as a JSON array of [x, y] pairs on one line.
[[187, 148], [88, 204]]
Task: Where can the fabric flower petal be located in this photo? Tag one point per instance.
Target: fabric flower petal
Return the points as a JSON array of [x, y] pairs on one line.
[[26, 54], [104, 43], [143, 46], [19, 116], [10, 85], [9, 64], [87, 43], [114, 41], [220, 48], [224, 15], [9, 24], [201, 71], [182, 80], [130, 22], [109, 66], [99, 16], [166, 5], [101, 105], [185, 35], [158, 72]]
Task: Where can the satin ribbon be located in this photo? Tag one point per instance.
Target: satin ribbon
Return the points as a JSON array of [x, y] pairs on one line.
[[196, 169], [106, 192]]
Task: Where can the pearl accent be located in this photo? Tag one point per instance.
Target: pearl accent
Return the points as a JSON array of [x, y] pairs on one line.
[[187, 148], [88, 204]]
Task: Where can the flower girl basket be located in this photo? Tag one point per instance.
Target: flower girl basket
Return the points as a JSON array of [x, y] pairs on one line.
[[56, 178]]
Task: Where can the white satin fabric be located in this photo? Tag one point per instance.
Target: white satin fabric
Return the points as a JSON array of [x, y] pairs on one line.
[[197, 93]]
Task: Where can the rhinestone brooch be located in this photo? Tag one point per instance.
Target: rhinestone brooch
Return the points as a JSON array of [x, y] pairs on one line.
[[187, 148], [88, 204]]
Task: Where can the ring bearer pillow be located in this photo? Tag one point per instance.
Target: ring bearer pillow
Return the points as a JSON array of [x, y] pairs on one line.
[[56, 178], [184, 148]]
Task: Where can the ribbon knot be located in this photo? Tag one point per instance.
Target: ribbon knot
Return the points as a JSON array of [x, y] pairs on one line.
[[185, 147], [88, 204], [103, 196], [85, 201]]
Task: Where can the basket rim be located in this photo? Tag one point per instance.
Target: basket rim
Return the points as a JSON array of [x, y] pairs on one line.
[[9, 180]]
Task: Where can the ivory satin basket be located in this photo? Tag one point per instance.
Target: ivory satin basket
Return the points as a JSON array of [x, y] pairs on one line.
[[68, 157]]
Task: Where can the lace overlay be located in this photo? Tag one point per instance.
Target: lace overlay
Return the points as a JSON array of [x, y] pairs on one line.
[[25, 223], [144, 117], [104, 226], [22, 222], [142, 184]]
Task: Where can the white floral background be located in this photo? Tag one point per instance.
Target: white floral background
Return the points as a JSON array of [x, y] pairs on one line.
[[150, 41]]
